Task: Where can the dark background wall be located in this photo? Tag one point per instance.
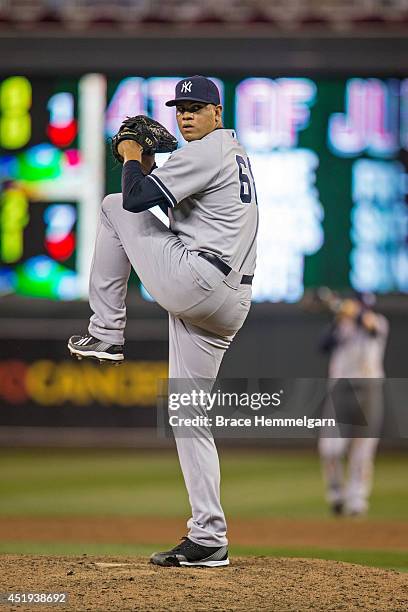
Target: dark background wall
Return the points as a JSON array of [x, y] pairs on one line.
[[204, 49], [276, 340]]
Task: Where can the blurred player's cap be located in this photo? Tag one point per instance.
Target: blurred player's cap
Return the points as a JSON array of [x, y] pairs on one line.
[[196, 89]]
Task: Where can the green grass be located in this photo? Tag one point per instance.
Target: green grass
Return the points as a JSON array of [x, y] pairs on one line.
[[373, 558], [135, 483], [256, 484]]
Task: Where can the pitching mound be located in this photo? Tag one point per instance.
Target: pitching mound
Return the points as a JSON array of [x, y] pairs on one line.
[[254, 583]]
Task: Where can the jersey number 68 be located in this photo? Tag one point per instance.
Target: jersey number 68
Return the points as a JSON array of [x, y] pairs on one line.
[[245, 180]]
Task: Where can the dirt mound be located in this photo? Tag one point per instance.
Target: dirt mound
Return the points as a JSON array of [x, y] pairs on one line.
[[255, 583]]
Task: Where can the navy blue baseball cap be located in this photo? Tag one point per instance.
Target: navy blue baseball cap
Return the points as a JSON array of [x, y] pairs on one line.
[[196, 89]]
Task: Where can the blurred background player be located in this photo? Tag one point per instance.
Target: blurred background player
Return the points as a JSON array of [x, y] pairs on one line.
[[355, 342]]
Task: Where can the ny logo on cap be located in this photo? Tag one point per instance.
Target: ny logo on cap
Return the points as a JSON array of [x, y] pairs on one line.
[[186, 87]]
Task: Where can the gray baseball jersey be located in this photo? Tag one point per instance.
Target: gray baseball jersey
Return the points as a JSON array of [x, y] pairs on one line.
[[359, 354], [212, 210]]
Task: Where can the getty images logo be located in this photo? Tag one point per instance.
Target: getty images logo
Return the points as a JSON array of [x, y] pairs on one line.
[[186, 87]]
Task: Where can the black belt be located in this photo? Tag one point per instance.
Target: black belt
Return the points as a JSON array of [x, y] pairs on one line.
[[224, 267]]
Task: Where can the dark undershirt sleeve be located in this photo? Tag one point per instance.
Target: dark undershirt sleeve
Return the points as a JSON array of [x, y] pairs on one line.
[[329, 340], [140, 193]]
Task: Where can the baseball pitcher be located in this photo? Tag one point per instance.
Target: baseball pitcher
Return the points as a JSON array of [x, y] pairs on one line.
[[200, 270]]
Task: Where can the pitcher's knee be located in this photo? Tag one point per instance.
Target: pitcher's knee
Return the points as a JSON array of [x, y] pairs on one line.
[[111, 201]]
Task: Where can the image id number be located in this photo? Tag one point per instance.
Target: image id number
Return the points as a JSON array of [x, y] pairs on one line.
[[33, 598]]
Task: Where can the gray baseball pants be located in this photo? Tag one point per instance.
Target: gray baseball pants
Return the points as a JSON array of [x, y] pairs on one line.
[[355, 489], [205, 308]]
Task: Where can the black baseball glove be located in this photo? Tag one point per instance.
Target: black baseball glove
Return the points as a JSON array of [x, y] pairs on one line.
[[150, 134]]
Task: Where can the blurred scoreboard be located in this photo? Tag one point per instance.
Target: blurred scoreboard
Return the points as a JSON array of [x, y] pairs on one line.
[[329, 158], [52, 168]]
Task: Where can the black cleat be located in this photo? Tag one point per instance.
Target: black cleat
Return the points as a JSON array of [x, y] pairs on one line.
[[88, 347], [337, 508], [190, 554]]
